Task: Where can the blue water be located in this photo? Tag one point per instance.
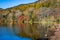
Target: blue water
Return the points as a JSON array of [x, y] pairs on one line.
[[6, 34]]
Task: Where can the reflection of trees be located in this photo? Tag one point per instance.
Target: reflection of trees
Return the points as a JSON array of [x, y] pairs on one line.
[[14, 23], [34, 32]]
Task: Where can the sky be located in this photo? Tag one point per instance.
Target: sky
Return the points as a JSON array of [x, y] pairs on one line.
[[11, 3]]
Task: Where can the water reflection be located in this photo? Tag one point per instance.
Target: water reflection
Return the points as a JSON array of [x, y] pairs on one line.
[[34, 30], [6, 33], [31, 30]]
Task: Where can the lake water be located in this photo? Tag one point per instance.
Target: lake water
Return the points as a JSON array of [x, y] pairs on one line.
[[7, 34]]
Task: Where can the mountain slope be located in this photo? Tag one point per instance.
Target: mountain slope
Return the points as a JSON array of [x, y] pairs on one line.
[[21, 17]]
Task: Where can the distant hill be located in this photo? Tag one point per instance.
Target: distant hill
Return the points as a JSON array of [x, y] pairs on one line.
[[36, 5]]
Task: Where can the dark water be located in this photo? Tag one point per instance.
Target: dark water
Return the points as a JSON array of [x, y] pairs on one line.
[[7, 34]]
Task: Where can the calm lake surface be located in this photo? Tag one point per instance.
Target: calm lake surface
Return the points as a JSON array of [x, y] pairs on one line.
[[6, 33]]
